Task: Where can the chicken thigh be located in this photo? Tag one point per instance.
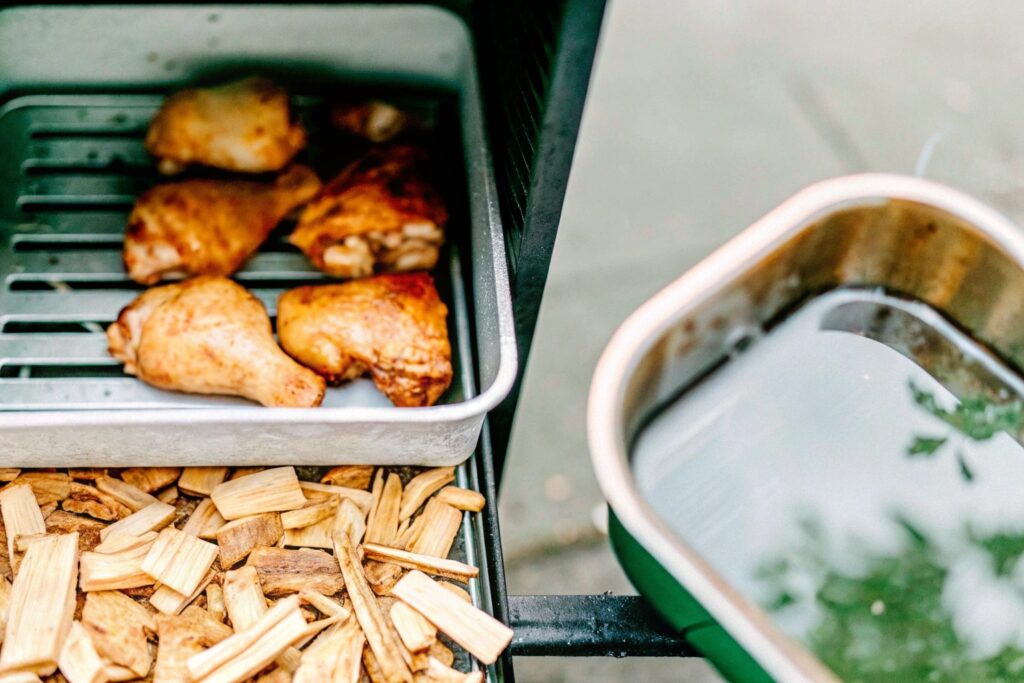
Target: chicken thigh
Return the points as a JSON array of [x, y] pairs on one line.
[[377, 215], [209, 335], [242, 126], [391, 326], [208, 227]]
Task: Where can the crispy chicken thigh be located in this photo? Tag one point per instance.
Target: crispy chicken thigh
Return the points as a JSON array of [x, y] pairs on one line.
[[209, 335], [242, 126], [208, 227], [391, 326], [377, 215]]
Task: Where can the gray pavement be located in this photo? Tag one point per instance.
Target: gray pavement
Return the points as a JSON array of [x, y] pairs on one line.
[[702, 116]]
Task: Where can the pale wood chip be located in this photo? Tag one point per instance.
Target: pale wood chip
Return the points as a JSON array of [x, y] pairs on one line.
[[5, 604], [351, 520], [9, 473], [478, 632], [462, 499], [237, 538], [314, 536], [372, 621], [179, 560], [79, 661], [457, 591], [437, 672], [117, 570], [243, 597], [21, 517], [128, 495], [442, 653], [382, 524], [289, 571], [421, 487], [451, 569], [324, 604], [273, 490], [153, 517], [118, 626], [382, 576], [119, 542], [416, 632], [350, 476], [205, 521], [168, 495], [437, 531], [309, 514], [200, 481], [150, 479], [336, 655], [169, 601], [215, 601], [42, 605], [240, 472]]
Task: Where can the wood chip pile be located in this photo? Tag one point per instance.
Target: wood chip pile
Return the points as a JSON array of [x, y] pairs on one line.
[[175, 575]]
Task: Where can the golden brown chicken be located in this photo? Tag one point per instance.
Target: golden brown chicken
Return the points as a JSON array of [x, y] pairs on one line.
[[242, 126], [391, 326], [377, 215], [209, 335], [208, 227], [373, 120]]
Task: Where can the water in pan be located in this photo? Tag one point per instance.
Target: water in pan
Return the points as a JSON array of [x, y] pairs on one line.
[[839, 485]]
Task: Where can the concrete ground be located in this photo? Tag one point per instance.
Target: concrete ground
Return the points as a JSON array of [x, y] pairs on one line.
[[702, 116]]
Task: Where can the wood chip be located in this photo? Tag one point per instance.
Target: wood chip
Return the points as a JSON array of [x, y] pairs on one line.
[[169, 601], [130, 496], [21, 677], [48, 487], [78, 660], [289, 571], [233, 658], [182, 636], [201, 481], [462, 499], [42, 605], [363, 499], [382, 524], [310, 514], [351, 520], [324, 604], [21, 516], [240, 472], [451, 569], [243, 597], [9, 473], [350, 476], [88, 500], [457, 591], [5, 604], [118, 626], [372, 621], [168, 495], [437, 531], [273, 490], [382, 576], [215, 601], [421, 487], [153, 517], [239, 537], [151, 479], [315, 536], [86, 473], [205, 521], [118, 570], [179, 560], [118, 542], [442, 653], [416, 632], [479, 633], [336, 655]]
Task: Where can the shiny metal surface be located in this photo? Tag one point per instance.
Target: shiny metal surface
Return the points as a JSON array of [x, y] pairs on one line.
[[72, 164], [911, 237]]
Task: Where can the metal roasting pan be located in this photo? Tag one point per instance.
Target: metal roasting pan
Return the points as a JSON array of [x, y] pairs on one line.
[[909, 236], [77, 89]]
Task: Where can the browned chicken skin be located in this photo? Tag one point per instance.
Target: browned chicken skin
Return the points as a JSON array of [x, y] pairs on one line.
[[373, 120], [209, 335], [208, 227], [242, 126], [391, 326], [377, 215]]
